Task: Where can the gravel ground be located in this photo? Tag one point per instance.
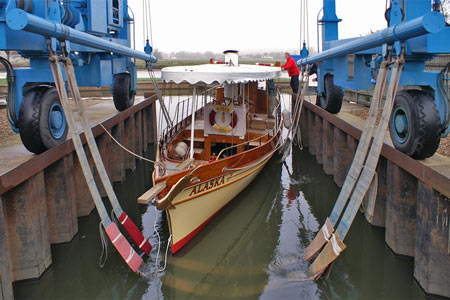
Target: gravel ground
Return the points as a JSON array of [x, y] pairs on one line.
[[5, 128], [444, 147]]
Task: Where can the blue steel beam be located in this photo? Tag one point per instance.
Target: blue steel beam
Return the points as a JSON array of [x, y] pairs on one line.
[[432, 22], [18, 19]]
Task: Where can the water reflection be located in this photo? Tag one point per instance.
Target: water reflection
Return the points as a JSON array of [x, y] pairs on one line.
[[252, 249], [229, 258]]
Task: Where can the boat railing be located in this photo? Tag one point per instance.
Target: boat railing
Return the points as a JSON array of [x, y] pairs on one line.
[[269, 133], [183, 110]]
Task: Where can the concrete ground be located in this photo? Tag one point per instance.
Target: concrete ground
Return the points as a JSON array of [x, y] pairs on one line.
[[355, 114], [12, 151]]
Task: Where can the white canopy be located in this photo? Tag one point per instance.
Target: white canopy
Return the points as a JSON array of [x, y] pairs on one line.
[[220, 73]]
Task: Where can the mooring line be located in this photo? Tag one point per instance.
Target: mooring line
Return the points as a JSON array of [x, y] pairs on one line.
[[104, 255], [127, 150], [158, 253], [135, 154]]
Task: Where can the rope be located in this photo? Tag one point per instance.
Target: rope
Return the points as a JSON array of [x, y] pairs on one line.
[[301, 23], [104, 256], [304, 23], [147, 17], [169, 240], [307, 23], [144, 17], [136, 155], [159, 245], [128, 151], [150, 22]]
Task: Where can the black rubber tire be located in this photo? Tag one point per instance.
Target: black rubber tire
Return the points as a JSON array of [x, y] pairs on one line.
[[424, 126], [334, 95], [123, 96], [34, 120]]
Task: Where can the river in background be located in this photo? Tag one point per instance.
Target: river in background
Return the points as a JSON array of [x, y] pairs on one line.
[[252, 249]]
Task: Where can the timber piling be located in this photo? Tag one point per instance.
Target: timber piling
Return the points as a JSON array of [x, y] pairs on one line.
[[42, 196], [412, 196]]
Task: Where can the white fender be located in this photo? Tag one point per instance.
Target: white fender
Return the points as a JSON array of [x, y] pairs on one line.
[[287, 118], [181, 149]]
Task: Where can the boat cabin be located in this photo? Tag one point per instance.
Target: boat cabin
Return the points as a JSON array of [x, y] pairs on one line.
[[225, 124]]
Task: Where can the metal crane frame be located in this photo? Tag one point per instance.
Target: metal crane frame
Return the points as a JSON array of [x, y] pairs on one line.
[[416, 26], [97, 34]]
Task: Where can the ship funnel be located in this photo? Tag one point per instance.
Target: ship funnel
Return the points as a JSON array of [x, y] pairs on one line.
[[231, 57]]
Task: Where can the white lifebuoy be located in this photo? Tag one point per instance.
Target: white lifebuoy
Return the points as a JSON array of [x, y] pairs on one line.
[[223, 118]]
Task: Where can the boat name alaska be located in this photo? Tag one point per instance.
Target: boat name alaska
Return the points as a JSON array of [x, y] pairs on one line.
[[207, 186]]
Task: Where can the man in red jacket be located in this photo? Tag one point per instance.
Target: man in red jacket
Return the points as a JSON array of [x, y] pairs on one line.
[[291, 67]]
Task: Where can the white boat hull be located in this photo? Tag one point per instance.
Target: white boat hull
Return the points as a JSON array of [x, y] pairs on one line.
[[197, 205]]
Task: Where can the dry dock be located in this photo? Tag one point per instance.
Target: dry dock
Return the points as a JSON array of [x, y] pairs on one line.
[[412, 196], [43, 195]]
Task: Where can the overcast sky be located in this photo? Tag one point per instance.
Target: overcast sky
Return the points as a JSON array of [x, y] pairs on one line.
[[247, 25]]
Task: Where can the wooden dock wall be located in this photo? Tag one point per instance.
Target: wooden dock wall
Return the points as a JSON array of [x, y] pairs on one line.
[[42, 198], [412, 202]]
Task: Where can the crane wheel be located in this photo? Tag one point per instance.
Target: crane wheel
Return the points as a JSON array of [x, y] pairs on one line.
[[415, 124], [42, 124], [332, 102], [123, 96]]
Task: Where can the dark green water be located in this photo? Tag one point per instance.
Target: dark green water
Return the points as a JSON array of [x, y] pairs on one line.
[[252, 249]]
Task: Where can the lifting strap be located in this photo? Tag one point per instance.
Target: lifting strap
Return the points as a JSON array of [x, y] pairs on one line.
[[357, 164], [123, 218], [130, 256], [358, 183]]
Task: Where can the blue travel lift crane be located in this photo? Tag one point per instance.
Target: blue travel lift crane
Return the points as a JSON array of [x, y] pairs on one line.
[[420, 117], [70, 44], [417, 115], [98, 35]]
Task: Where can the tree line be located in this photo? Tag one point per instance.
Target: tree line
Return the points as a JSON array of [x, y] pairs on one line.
[[268, 55]]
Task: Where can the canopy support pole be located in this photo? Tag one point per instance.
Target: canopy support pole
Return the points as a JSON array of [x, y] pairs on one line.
[[194, 95]]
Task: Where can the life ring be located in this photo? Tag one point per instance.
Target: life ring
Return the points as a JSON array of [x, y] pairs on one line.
[[223, 118]]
